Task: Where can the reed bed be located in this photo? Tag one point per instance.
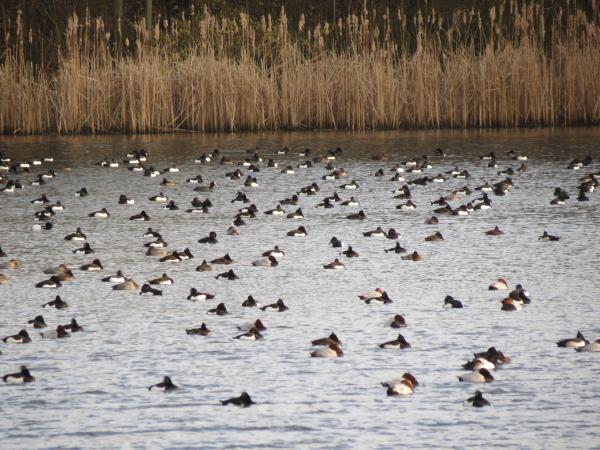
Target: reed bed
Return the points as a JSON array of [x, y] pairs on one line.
[[515, 65]]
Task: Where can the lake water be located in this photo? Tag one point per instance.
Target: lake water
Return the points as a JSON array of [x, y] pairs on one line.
[[91, 389]]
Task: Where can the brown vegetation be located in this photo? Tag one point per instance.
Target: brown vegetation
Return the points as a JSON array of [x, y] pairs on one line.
[[514, 65]]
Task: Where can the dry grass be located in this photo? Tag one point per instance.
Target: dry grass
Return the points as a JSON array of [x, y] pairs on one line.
[[516, 65]]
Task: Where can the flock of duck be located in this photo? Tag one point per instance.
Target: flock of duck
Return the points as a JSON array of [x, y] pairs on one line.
[[405, 176]]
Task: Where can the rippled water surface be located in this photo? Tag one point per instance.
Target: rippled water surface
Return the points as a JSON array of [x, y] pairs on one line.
[[91, 388]]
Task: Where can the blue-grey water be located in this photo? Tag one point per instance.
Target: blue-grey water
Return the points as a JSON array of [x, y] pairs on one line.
[[90, 389]]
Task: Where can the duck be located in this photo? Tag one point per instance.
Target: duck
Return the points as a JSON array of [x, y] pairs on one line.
[[195, 295], [200, 331], [520, 295], [591, 347], [166, 385], [61, 268], [229, 275], [414, 256], [210, 239], [59, 333], [576, 342], [102, 214], [40, 200], [2, 253], [46, 226], [293, 200], [204, 267], [223, 260], [267, 261], [251, 335], [158, 243], [278, 306], [398, 343], [396, 249], [384, 299], [480, 376], [58, 206], [22, 337], [116, 278], [435, 237], [493, 354], [243, 401], [142, 216], [480, 363], [147, 289], [451, 303], [3, 279], [67, 276], [256, 324], [23, 376], [57, 303], [350, 253], [52, 283], [37, 322], [377, 293], [127, 285], [409, 205], [211, 186], [85, 250], [378, 232], [150, 233], [170, 257], [331, 351], [165, 182], [402, 388], [352, 202], [73, 326], [495, 231], [331, 339], [357, 216], [220, 310], [124, 200], [335, 264], [336, 243], [392, 234], [164, 279], [171, 206], [509, 304], [77, 236], [277, 211], [548, 237], [326, 203], [275, 251], [398, 321], [299, 232], [500, 285], [94, 266], [477, 400], [249, 303], [350, 186], [298, 214]]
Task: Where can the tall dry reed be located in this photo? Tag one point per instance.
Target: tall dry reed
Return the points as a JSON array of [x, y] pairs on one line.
[[514, 65]]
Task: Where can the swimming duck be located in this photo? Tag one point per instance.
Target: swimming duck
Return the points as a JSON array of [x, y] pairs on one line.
[[251, 335], [377, 293], [168, 183], [62, 268], [77, 236], [398, 321], [495, 232], [378, 232], [147, 289], [201, 331], [195, 180], [195, 295], [85, 250], [242, 401], [212, 185], [509, 304], [2, 253], [401, 386], [350, 253], [491, 354], [437, 236], [336, 243], [166, 385], [22, 337], [229, 275], [127, 285], [23, 376], [59, 333], [223, 260], [520, 295], [73, 326], [170, 257], [398, 343], [350, 186], [220, 310], [51, 283], [204, 267], [117, 278], [141, 216], [57, 303], [548, 237], [66, 276], [357, 216], [335, 264], [124, 200], [171, 206], [477, 400], [451, 303], [293, 200], [102, 214], [40, 200], [37, 322], [392, 234], [299, 232], [409, 205], [591, 347], [298, 214], [94, 266], [396, 249], [480, 376], [326, 203], [164, 280], [332, 351], [268, 261], [414, 256], [331, 339], [150, 233], [384, 299], [276, 252], [480, 363], [210, 239], [249, 303], [575, 342], [278, 306], [500, 285], [158, 243]]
